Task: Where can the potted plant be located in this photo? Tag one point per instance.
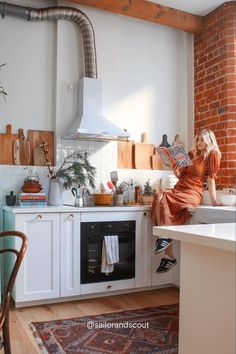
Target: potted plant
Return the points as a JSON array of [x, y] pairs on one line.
[[147, 193], [74, 171]]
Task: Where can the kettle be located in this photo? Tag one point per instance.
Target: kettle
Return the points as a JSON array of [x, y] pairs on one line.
[[77, 193]]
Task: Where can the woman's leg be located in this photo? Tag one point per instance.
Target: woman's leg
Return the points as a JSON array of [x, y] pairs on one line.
[[169, 249], [168, 261], [159, 198]]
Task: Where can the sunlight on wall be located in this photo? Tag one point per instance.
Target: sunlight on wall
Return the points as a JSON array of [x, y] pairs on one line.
[[134, 112]]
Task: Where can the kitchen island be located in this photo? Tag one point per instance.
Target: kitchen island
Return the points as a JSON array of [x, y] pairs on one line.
[[207, 287]]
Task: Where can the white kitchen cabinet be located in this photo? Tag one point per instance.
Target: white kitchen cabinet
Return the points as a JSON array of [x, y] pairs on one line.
[[38, 277], [51, 268], [143, 266], [70, 254]]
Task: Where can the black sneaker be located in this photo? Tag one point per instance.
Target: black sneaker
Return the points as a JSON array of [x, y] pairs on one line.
[[162, 244], [166, 264]]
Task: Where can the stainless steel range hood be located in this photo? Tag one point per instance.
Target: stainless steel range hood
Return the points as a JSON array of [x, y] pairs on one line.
[[90, 123]]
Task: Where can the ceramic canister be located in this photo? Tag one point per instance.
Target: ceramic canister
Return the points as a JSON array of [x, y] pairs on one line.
[[54, 192]]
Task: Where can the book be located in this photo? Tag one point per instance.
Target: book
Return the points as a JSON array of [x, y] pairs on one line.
[[32, 197], [32, 194], [32, 204], [174, 155]]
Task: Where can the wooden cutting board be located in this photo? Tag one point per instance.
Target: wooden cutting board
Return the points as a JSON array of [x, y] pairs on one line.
[[21, 149], [143, 153], [125, 158], [6, 146], [156, 162], [36, 157]]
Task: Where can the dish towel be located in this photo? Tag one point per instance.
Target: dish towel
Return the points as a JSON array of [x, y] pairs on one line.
[[110, 253]]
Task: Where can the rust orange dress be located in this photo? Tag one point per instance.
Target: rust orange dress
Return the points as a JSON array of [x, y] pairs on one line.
[[187, 192]]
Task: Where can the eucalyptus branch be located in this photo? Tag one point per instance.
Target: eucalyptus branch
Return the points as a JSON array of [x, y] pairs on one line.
[[2, 90]]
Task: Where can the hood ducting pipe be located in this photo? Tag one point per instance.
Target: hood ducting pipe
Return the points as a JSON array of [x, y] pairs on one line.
[[60, 13], [90, 123]]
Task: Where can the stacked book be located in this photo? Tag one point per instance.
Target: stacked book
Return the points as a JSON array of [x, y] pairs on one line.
[[32, 199]]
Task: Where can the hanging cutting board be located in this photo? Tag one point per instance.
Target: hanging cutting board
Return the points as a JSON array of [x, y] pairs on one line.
[[21, 149], [35, 137], [38, 156], [143, 153], [156, 162], [125, 158], [6, 146]]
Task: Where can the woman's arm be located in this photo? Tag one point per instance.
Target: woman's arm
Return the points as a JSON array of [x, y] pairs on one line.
[[212, 191], [180, 171]]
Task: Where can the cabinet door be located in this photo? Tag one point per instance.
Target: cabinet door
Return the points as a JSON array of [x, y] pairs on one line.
[[38, 277], [70, 254], [143, 249]]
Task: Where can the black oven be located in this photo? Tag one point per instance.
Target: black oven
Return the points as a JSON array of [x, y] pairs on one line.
[[92, 235]]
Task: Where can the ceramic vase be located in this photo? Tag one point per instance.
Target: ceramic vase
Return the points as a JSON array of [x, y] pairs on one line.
[[54, 192]]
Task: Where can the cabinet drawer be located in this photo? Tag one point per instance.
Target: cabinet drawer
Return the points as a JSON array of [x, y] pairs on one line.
[[107, 286]]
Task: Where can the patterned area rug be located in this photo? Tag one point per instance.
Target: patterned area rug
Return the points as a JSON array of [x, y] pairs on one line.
[[149, 330]]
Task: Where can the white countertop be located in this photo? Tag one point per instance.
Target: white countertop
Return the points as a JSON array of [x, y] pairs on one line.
[[221, 236], [72, 209], [209, 214], [211, 207]]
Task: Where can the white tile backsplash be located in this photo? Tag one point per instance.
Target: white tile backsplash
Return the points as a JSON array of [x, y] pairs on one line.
[[102, 155]]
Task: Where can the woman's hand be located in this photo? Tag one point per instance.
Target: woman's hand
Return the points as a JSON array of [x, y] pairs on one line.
[[217, 203], [178, 171]]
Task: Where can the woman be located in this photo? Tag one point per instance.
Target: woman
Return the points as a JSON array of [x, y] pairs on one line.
[[170, 207]]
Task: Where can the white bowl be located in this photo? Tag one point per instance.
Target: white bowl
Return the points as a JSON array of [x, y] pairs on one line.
[[221, 196]]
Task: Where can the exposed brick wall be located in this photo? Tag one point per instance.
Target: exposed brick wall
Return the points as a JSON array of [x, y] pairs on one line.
[[215, 85]]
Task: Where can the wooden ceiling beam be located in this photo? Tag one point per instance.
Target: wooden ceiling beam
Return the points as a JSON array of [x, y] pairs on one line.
[[148, 11]]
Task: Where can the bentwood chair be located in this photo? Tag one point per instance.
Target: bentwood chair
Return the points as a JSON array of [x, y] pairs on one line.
[[10, 237]]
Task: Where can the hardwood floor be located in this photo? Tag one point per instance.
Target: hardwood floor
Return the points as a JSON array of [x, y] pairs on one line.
[[21, 336]]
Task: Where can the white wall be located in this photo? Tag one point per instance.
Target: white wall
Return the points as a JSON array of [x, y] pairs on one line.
[[146, 71]]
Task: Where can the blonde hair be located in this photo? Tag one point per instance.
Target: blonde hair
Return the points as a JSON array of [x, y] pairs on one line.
[[210, 141]]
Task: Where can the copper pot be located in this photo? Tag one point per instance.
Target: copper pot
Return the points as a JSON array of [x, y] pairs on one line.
[[103, 198]]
